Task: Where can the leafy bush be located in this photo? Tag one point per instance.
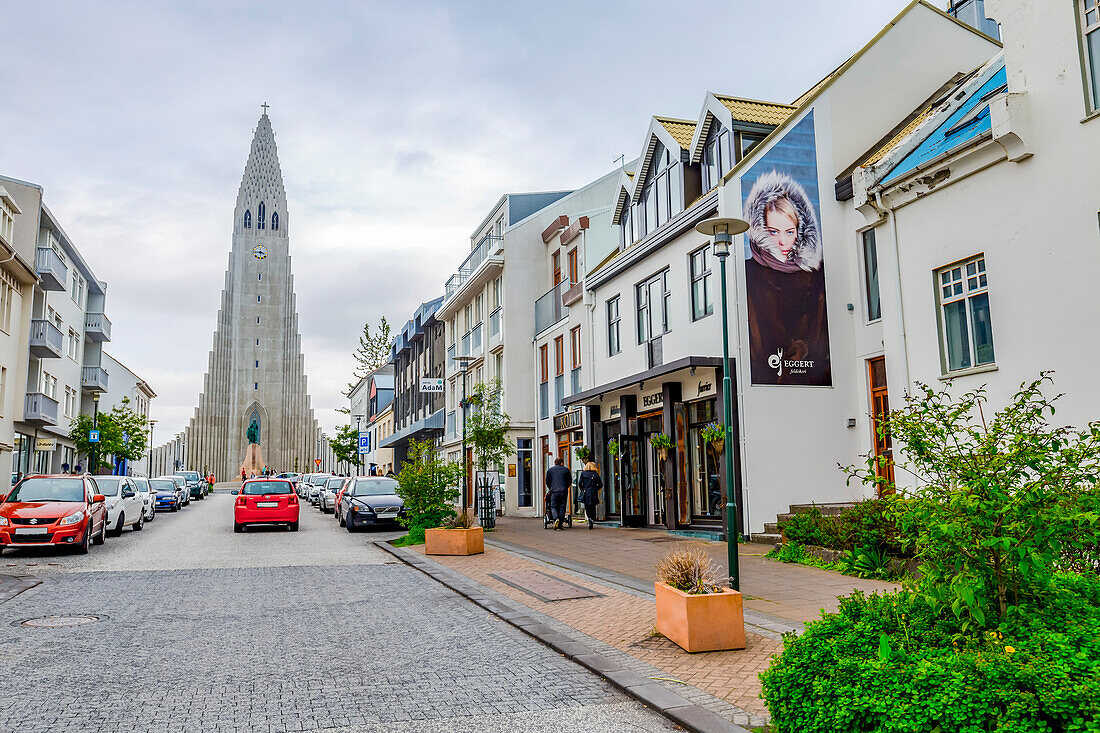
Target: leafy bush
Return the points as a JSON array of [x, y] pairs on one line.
[[892, 664], [868, 524], [810, 527], [867, 562], [689, 568], [426, 484]]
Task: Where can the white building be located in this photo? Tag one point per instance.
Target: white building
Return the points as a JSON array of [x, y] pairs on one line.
[[367, 402], [127, 389], [487, 306]]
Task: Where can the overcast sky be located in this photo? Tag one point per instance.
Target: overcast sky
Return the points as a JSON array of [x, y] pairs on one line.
[[398, 125]]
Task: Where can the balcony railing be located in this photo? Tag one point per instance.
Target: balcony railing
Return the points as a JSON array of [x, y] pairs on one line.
[[469, 266], [40, 409], [450, 365], [451, 431], [475, 340], [94, 379], [494, 322], [548, 308], [465, 345], [97, 327], [51, 269], [47, 341]]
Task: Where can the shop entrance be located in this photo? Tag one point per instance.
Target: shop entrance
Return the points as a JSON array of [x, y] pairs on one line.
[[655, 491], [632, 480]]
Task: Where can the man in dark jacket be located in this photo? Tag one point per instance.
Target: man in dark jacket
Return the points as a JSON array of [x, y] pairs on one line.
[[558, 480]]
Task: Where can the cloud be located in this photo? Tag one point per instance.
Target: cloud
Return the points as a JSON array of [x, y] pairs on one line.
[[398, 124]]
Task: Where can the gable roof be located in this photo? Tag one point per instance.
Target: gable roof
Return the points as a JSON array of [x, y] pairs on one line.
[[673, 133], [730, 110]]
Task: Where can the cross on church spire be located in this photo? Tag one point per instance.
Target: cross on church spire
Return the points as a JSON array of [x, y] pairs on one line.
[[265, 106]]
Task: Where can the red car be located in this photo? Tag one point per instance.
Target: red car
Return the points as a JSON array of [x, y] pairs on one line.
[[266, 501], [45, 511]]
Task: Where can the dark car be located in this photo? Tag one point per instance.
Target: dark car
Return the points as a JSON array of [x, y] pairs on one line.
[[168, 497], [371, 501], [196, 484]]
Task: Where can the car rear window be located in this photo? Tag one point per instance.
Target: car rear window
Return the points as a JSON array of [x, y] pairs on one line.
[[162, 485], [108, 485], [259, 488], [375, 487], [48, 489], [334, 483]]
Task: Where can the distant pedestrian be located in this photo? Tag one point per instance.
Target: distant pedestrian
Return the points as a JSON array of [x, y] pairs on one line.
[[244, 475], [590, 484], [558, 480]]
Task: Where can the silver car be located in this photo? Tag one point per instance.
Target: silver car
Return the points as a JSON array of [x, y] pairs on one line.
[[315, 484], [148, 496], [326, 497]]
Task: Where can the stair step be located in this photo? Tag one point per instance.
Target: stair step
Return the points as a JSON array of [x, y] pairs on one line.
[[827, 510], [771, 527], [766, 538]]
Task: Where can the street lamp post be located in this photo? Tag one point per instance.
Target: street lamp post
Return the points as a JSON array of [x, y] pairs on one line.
[[95, 426], [149, 468], [358, 420], [464, 363], [723, 230]]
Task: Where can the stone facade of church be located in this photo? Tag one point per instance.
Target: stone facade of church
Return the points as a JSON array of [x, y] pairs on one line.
[[256, 372]]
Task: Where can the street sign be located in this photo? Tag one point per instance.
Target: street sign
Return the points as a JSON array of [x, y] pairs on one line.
[[431, 384], [46, 445], [317, 461], [364, 443], [93, 436]]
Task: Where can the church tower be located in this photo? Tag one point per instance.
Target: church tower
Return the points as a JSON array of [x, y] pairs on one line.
[[255, 384]]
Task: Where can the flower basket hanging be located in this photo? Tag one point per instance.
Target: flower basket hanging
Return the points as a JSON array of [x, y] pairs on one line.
[[662, 443], [583, 453], [613, 448], [714, 435]]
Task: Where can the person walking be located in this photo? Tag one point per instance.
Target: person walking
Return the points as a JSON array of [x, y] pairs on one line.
[[558, 480], [589, 485]]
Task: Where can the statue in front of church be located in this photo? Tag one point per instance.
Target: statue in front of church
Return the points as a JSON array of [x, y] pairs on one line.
[[253, 465], [253, 433]]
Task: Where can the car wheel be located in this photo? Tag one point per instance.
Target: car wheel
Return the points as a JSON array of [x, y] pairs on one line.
[[349, 525], [238, 527], [140, 524], [100, 538], [293, 526], [117, 531], [82, 548], [175, 508]]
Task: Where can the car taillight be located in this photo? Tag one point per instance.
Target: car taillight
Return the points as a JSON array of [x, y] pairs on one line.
[[240, 501], [293, 500]]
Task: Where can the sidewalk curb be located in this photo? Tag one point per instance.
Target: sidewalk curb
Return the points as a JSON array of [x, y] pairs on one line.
[[657, 697]]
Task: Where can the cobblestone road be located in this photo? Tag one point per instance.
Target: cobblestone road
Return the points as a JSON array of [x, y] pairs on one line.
[[202, 629]]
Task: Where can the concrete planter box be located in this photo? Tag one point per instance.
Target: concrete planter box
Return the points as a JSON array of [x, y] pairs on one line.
[[442, 541], [701, 623]]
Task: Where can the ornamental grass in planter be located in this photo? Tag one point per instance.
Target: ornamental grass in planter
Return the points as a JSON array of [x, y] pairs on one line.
[[457, 536], [693, 608]]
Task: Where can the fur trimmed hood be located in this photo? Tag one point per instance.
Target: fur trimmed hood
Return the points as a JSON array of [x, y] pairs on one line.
[[768, 189]]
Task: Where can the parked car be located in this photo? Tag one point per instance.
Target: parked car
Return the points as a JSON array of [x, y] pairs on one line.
[[371, 502], [44, 511], [291, 477], [148, 497], [124, 505], [181, 486], [196, 484], [266, 501], [326, 497], [339, 498], [315, 485], [167, 493]]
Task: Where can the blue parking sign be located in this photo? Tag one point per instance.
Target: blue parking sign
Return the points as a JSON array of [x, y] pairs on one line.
[[364, 443], [93, 436]]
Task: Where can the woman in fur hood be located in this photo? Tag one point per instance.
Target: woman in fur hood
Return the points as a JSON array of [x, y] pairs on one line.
[[785, 279]]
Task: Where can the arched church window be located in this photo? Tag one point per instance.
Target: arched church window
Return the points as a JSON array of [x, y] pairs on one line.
[[274, 221], [248, 219], [260, 216]]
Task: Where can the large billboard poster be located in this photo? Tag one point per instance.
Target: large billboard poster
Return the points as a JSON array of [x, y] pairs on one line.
[[784, 268]]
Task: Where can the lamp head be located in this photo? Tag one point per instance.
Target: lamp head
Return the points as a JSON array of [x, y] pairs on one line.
[[722, 230], [95, 396]]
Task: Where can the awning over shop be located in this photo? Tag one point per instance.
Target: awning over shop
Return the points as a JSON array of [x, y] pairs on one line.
[[419, 430], [589, 396]]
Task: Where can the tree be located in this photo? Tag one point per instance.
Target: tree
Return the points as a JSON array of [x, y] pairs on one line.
[[122, 433], [373, 351], [427, 485], [487, 425], [345, 446], [997, 503]]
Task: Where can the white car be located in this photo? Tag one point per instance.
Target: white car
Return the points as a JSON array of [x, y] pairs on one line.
[[326, 497], [148, 497], [315, 483], [125, 507]]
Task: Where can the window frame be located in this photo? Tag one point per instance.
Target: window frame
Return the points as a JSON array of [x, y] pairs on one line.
[[559, 356], [574, 267], [614, 331], [575, 346], [1085, 29], [872, 317], [968, 286], [645, 287], [706, 278], [555, 261]]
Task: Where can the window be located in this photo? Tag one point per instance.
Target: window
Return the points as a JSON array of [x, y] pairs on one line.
[[260, 216], [870, 276], [556, 260], [257, 363], [574, 270], [257, 299], [247, 218], [717, 157], [49, 385], [575, 352], [259, 276], [7, 297], [74, 345], [652, 297], [78, 289], [274, 221], [544, 393], [559, 372], [967, 328], [255, 385], [4, 388], [614, 345], [702, 302], [626, 225], [748, 142], [1090, 38]]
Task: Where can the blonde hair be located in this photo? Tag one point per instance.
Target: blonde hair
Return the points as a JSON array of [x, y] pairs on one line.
[[591, 466], [785, 206]]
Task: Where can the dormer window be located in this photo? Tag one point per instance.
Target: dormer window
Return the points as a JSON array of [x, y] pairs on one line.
[[662, 193], [260, 216], [247, 218], [717, 155], [626, 224]]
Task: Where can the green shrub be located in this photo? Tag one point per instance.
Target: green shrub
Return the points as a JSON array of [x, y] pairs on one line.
[[426, 486], [810, 527], [891, 664], [871, 524]]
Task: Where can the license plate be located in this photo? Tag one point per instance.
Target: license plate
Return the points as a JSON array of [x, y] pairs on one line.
[[267, 504], [387, 514], [31, 530]]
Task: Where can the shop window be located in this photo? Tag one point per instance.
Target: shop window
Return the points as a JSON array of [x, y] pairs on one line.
[[524, 472], [870, 276], [1090, 41], [702, 301], [967, 329], [614, 345]]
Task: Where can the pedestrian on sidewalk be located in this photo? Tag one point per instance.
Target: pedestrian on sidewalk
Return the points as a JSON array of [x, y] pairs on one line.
[[558, 481], [590, 484]]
